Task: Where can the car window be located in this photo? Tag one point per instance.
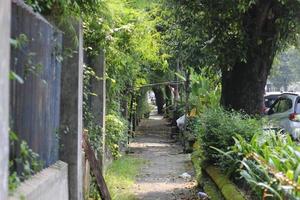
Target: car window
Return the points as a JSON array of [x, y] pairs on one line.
[[269, 100], [282, 105]]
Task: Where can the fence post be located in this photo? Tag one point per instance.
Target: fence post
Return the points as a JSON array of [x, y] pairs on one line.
[[5, 14], [71, 108], [98, 103]]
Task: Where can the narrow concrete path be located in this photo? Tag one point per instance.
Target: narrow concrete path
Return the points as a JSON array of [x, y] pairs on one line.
[[159, 178]]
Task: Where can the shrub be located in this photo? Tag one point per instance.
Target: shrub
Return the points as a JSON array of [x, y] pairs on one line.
[[219, 127], [205, 89], [116, 133], [271, 164], [193, 125]]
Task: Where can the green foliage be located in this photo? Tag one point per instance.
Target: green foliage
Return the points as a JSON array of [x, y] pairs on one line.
[[64, 6], [205, 89], [29, 160], [95, 136], [132, 46], [14, 76], [194, 125], [229, 139], [124, 30], [13, 181], [218, 129], [240, 38], [120, 176], [220, 33], [19, 42], [90, 124], [31, 67], [116, 133], [26, 161], [269, 161]]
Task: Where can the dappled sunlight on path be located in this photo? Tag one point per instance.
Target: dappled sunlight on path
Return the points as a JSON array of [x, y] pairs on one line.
[[159, 178]]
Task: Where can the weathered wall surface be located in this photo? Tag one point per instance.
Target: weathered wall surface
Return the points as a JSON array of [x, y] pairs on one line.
[[46, 109], [49, 184], [4, 85], [98, 102], [71, 126], [35, 104]]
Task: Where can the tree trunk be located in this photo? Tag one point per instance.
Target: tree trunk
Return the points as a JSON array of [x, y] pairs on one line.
[[243, 86], [124, 108], [159, 99], [176, 91], [187, 97], [168, 98]]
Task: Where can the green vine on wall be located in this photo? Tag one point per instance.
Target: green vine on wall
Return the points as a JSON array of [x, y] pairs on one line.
[[94, 129], [24, 164]]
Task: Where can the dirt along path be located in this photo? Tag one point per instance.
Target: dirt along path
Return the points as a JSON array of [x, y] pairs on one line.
[[160, 178]]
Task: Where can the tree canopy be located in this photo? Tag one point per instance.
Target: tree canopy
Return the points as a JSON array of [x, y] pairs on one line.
[[239, 38], [145, 41]]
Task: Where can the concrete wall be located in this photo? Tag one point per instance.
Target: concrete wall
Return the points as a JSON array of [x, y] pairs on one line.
[[86, 176], [49, 184], [71, 108], [98, 102], [60, 181], [4, 85]]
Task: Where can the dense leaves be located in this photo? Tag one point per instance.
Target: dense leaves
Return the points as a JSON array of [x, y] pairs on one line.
[[269, 162], [240, 38], [116, 133], [132, 45], [218, 129], [222, 31]]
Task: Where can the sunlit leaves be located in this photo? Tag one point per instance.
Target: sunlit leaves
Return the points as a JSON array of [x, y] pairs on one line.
[[126, 30], [188, 24]]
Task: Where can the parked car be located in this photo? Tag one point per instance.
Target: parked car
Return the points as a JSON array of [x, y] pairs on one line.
[[285, 113]]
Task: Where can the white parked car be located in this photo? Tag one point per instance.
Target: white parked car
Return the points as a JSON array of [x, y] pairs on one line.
[[285, 112]]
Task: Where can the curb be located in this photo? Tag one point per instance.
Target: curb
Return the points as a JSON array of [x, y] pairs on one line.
[[227, 188], [197, 162]]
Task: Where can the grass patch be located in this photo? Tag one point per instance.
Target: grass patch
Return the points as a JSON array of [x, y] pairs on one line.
[[120, 177]]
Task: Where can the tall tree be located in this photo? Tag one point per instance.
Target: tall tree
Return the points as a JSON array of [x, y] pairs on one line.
[[240, 37]]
